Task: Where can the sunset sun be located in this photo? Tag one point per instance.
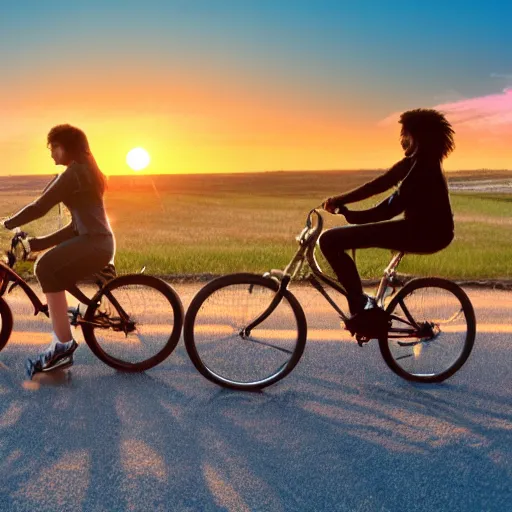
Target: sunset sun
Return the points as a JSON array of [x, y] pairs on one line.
[[138, 159]]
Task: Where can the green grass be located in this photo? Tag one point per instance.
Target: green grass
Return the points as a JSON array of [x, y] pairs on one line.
[[220, 224]]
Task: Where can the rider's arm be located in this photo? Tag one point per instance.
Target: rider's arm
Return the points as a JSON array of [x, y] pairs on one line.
[[380, 184], [52, 195], [385, 210], [42, 243]]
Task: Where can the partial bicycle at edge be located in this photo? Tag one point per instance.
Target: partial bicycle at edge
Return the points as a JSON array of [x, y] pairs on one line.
[[132, 322]]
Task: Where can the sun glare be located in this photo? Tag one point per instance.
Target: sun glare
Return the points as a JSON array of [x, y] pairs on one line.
[[138, 159]]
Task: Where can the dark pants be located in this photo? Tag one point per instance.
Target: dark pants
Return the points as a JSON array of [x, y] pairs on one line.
[[77, 258], [396, 235]]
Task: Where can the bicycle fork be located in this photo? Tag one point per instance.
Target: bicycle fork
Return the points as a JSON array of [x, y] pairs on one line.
[[276, 300]]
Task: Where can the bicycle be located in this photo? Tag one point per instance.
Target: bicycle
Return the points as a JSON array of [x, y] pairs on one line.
[[132, 322], [247, 331]]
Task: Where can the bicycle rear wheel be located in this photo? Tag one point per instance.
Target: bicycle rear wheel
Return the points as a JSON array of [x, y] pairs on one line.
[[433, 330], [135, 322], [221, 349]]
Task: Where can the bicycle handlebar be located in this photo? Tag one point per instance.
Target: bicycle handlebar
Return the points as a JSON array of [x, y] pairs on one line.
[[18, 240], [311, 231]]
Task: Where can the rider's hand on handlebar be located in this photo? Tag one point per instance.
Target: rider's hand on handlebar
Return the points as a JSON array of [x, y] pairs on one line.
[[333, 205], [21, 239]]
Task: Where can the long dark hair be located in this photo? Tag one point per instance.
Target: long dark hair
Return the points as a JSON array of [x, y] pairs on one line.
[[430, 129], [75, 144]]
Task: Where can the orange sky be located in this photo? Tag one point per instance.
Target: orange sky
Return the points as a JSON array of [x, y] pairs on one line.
[[247, 86], [194, 120]]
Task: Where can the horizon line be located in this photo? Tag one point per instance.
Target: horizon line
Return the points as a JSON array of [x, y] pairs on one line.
[[141, 173]]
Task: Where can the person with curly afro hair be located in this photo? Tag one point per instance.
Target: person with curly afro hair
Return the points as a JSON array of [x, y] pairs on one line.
[[421, 195]]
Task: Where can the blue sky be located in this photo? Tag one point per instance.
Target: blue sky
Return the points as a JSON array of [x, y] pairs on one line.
[[366, 58]]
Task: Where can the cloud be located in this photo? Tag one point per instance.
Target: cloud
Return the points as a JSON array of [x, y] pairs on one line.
[[493, 110], [502, 75], [490, 112]]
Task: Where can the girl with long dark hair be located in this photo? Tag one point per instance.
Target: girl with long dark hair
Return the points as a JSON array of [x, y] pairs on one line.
[[83, 247]]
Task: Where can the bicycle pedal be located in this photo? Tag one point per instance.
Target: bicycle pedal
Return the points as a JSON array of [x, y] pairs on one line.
[[73, 319], [344, 326], [369, 324], [361, 340]]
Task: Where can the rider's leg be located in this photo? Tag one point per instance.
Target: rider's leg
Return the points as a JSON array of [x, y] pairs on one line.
[[58, 308], [345, 269], [62, 338], [397, 235], [63, 344], [56, 271], [64, 265]]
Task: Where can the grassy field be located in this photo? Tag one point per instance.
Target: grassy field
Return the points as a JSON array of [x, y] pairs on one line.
[[215, 224]]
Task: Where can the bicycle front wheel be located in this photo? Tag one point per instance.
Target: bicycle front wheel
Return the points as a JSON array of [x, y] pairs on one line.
[[221, 348], [135, 322], [433, 330], [6, 323]]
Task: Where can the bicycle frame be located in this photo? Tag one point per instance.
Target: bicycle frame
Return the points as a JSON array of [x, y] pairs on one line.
[[306, 253], [9, 275]]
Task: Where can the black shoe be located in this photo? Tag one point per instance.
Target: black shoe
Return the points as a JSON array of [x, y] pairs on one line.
[[61, 364], [61, 356], [31, 367], [370, 323], [50, 358], [359, 303], [35, 366]]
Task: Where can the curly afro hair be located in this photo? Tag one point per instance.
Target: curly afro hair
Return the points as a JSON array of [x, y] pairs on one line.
[[430, 129]]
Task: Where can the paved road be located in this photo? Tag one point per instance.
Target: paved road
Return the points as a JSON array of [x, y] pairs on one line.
[[340, 433]]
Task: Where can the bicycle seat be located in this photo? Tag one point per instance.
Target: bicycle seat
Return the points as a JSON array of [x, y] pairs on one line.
[[106, 274]]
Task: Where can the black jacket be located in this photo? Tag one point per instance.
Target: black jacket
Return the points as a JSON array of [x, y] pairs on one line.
[[422, 195]]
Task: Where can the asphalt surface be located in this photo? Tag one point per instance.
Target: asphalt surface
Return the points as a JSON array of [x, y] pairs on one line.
[[341, 432]]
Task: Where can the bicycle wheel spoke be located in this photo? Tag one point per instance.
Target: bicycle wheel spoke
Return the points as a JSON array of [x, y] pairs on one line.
[[410, 332], [443, 330], [403, 357], [254, 340], [227, 354], [401, 320], [407, 313], [454, 316], [409, 344], [139, 323]]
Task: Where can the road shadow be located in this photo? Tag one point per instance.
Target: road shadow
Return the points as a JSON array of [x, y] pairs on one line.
[[331, 436]]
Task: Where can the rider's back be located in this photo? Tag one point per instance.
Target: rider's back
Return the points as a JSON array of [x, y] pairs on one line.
[[424, 193], [84, 200]]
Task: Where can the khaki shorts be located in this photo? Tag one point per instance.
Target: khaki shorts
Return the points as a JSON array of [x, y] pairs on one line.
[[75, 259]]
